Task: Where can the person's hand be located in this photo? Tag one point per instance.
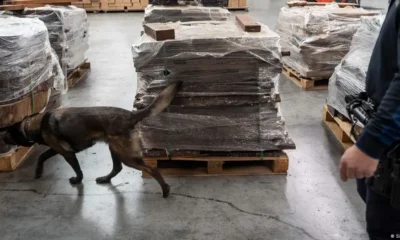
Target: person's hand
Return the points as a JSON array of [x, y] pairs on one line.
[[356, 164]]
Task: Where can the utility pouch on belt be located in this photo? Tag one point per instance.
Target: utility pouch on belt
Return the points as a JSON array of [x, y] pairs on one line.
[[395, 195]]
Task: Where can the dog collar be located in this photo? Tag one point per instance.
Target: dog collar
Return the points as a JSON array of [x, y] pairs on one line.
[[24, 130]]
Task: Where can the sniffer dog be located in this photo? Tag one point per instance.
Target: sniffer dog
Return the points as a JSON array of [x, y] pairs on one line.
[[68, 131]]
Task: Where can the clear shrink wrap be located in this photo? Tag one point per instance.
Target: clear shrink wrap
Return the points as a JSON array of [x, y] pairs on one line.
[[228, 97], [350, 75], [317, 37], [26, 58], [68, 32], [164, 14]]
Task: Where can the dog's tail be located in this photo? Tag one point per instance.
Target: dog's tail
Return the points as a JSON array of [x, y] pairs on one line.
[[161, 102]]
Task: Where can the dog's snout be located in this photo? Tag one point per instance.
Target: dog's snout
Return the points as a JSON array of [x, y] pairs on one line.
[[7, 138]]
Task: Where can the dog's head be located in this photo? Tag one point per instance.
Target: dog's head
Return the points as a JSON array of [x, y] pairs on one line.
[[15, 135]]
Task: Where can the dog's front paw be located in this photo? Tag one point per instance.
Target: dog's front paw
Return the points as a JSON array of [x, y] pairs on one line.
[[166, 191], [103, 180], [75, 180]]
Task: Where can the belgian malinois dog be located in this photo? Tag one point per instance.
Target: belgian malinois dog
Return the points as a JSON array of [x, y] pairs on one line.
[[70, 130]]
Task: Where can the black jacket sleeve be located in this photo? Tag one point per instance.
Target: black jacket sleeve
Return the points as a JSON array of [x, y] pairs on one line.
[[384, 128]]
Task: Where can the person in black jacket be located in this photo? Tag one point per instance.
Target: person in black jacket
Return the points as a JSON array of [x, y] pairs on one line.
[[382, 131]]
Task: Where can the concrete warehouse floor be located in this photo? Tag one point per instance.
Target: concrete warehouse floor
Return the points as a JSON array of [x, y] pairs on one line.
[[309, 203]]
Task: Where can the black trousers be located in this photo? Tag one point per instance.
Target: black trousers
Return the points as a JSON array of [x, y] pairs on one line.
[[383, 221]]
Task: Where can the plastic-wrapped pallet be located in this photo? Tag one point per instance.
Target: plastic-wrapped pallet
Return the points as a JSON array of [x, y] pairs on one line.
[[228, 97], [163, 14], [317, 37], [27, 62], [26, 57], [350, 75], [68, 32]]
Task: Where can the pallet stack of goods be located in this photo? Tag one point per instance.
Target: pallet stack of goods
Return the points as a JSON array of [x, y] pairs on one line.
[[112, 5], [226, 112], [318, 37], [68, 34], [118, 5], [26, 76], [12, 5], [89, 5], [230, 4], [164, 14], [349, 78]]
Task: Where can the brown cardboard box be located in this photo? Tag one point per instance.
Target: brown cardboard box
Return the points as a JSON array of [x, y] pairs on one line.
[[144, 3], [233, 3], [243, 3]]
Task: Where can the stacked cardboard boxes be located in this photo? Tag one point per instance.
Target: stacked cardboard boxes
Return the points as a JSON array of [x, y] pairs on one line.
[[88, 5], [68, 33], [350, 75], [206, 3], [112, 5], [318, 37], [109, 5], [138, 5], [228, 97]]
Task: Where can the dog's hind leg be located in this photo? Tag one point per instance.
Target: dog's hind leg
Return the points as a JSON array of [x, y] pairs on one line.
[[117, 167], [129, 149], [73, 161], [43, 157], [139, 164]]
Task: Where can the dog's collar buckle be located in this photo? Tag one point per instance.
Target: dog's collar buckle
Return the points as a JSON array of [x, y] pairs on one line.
[[25, 130]]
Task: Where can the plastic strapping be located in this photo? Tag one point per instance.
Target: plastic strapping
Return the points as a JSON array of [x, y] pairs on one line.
[[32, 102]]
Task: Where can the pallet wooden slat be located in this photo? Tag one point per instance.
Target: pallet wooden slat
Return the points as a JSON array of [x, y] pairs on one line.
[[159, 32], [340, 128], [208, 165], [10, 161], [248, 24], [305, 83], [11, 7], [79, 74]]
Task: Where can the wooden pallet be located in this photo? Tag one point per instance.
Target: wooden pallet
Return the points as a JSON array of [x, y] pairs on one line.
[[208, 164], [79, 74], [307, 84], [14, 112], [121, 10], [10, 161], [339, 126], [246, 9]]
